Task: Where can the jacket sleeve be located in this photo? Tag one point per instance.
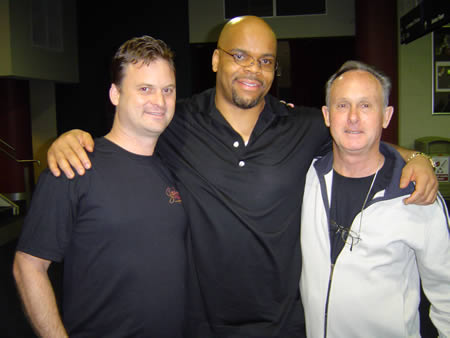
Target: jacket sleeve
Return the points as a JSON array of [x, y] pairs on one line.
[[434, 266]]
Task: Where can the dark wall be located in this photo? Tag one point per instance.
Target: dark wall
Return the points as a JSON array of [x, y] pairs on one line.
[[101, 30], [312, 62], [201, 66]]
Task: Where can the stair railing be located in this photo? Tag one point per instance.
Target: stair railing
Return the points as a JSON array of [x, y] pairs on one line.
[[27, 176]]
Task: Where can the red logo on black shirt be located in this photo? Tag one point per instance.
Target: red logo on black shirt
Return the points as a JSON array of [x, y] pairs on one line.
[[174, 196]]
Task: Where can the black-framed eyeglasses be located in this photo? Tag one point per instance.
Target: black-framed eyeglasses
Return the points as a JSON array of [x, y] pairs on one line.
[[267, 63], [347, 235]]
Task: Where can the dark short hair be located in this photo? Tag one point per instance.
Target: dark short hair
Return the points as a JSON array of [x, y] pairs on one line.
[[139, 49], [358, 65]]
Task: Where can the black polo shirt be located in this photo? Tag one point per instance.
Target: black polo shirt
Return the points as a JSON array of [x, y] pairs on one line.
[[243, 204]]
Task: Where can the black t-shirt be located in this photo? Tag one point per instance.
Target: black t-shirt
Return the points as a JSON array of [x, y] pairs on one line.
[[120, 230], [347, 199], [244, 204]]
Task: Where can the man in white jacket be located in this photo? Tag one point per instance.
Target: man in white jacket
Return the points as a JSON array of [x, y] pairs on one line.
[[365, 251]]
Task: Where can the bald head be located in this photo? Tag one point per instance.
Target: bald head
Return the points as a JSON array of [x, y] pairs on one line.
[[251, 26], [244, 86]]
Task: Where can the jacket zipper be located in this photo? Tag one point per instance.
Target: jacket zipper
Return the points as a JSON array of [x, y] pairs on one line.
[[327, 301]]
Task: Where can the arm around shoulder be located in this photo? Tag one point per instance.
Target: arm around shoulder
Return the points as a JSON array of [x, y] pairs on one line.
[[69, 151], [418, 169]]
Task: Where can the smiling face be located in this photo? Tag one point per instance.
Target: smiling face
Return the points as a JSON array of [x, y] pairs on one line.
[[145, 101], [356, 113], [244, 87]]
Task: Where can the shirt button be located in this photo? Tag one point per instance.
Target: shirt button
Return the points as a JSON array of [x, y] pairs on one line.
[[236, 144], [241, 163]]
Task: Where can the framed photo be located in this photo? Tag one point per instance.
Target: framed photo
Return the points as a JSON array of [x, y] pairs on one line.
[[442, 76], [441, 71]]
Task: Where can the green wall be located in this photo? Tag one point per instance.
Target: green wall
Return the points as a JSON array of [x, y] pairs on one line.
[[5, 39], [18, 56], [415, 94], [206, 18]]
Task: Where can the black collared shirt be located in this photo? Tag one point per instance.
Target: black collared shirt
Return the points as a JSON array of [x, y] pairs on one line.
[[243, 204]]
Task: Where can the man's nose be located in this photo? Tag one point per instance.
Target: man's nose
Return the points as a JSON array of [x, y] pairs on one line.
[[158, 99], [353, 114], [254, 66]]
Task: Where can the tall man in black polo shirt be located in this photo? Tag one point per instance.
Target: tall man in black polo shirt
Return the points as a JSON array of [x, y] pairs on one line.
[[241, 158]]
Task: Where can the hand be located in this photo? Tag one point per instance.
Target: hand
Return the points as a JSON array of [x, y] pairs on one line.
[[287, 104], [420, 171], [69, 151]]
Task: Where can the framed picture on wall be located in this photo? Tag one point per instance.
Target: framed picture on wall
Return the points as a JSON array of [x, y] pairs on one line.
[[441, 71]]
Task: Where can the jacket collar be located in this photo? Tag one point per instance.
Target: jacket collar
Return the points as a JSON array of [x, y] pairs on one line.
[[390, 182]]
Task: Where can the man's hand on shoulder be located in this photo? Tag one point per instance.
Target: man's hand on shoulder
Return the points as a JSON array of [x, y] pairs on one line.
[[68, 152], [420, 170], [287, 104]]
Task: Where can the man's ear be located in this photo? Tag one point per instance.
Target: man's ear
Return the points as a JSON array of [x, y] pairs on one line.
[[388, 112], [215, 60], [326, 115], [114, 94]]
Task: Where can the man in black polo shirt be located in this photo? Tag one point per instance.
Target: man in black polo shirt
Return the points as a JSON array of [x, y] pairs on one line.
[[240, 158]]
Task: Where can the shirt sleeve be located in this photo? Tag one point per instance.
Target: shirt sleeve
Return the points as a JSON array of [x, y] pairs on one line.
[[321, 133], [47, 228], [327, 145], [434, 267]]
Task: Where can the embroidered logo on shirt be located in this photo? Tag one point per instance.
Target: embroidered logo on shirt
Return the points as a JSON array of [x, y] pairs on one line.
[[174, 196]]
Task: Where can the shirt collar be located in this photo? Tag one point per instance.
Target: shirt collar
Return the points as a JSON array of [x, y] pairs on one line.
[[272, 108]]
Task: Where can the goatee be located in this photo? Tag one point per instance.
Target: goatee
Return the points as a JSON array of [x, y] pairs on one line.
[[244, 103]]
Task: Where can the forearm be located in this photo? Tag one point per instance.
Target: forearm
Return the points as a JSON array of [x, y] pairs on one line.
[[38, 298], [404, 153], [409, 155], [419, 168]]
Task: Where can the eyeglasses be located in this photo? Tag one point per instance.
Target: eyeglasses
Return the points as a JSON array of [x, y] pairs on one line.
[[347, 235], [267, 63]]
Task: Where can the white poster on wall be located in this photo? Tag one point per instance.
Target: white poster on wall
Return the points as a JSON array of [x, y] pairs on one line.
[[442, 167]]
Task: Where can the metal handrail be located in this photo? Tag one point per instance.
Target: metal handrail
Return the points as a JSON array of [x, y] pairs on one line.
[[6, 144], [27, 174], [13, 205], [13, 157]]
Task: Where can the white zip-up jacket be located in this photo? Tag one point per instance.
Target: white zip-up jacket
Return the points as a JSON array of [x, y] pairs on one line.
[[374, 290]]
